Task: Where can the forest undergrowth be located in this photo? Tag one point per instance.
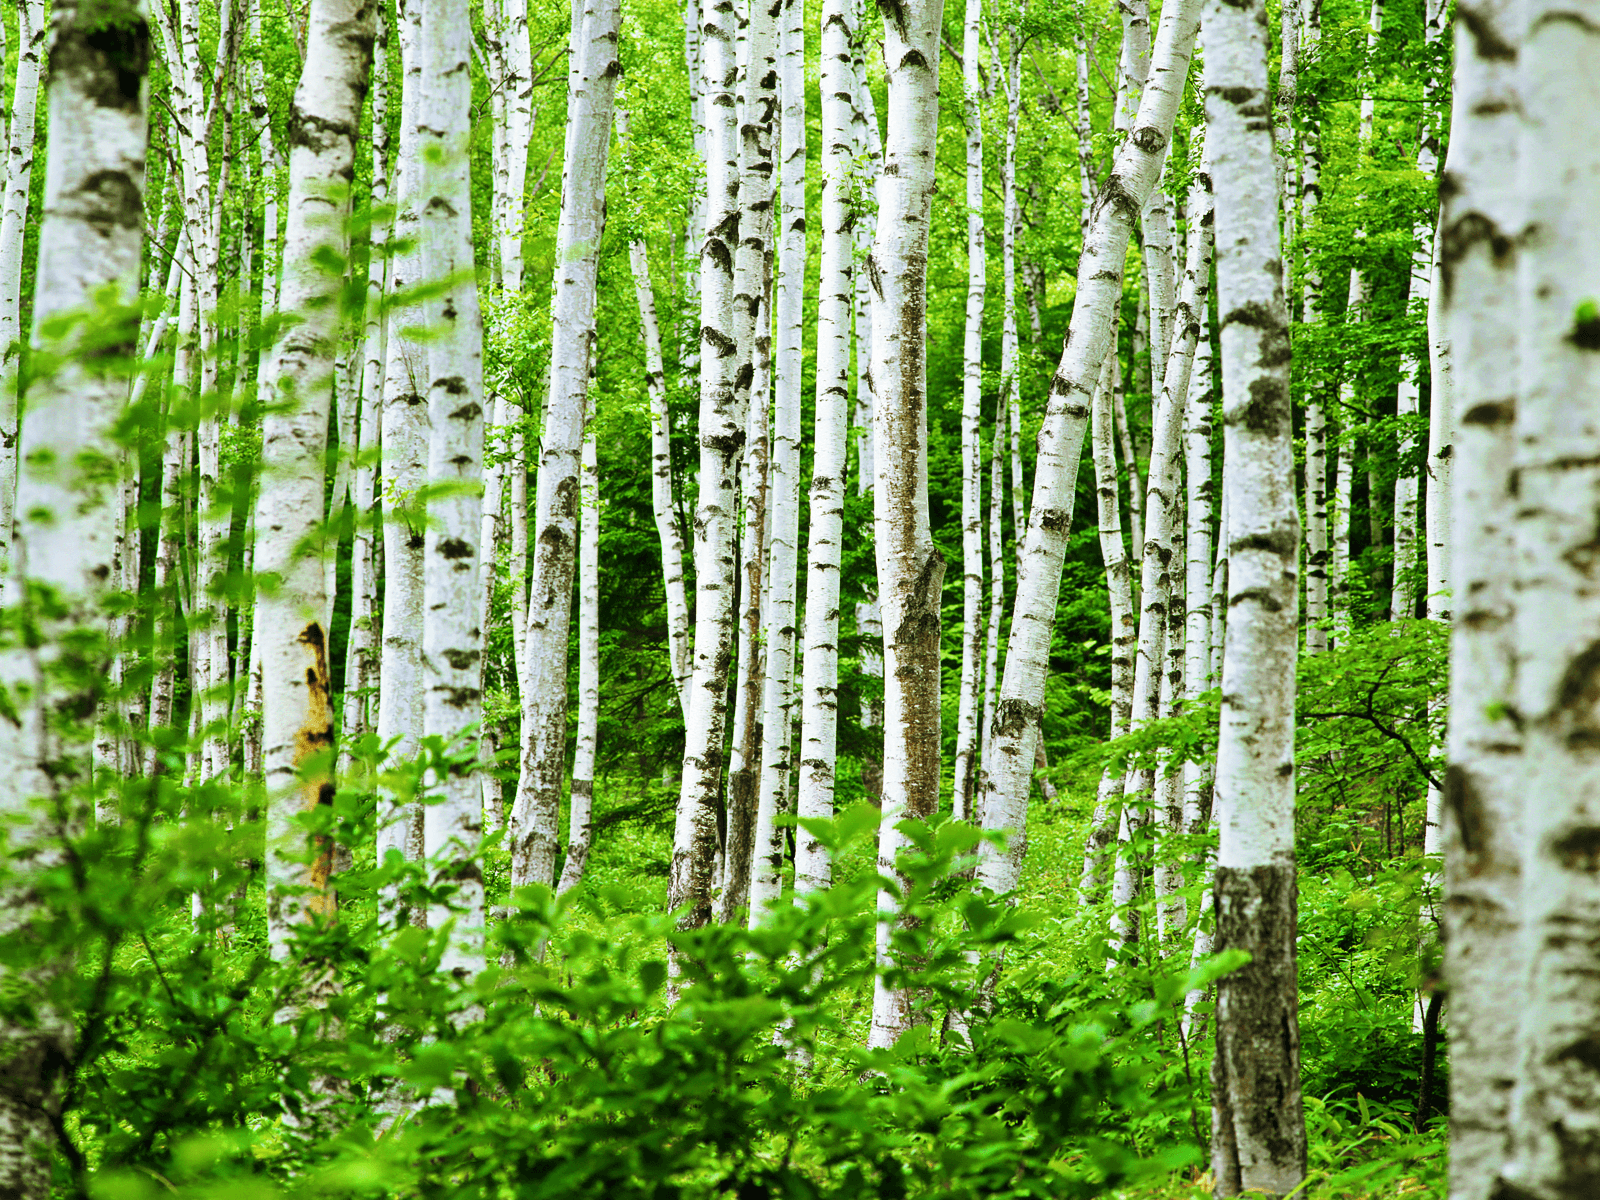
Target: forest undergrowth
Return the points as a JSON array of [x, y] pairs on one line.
[[203, 1068]]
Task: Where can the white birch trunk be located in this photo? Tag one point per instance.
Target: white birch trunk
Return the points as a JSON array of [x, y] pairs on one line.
[[297, 713], [783, 493], [89, 240], [1190, 324], [1124, 634], [752, 325], [964, 785], [452, 642], [721, 432], [819, 685], [1010, 387], [910, 568], [1316, 424], [1482, 214], [361, 657], [405, 458], [1197, 665], [580, 828], [31, 26], [544, 717], [1015, 729], [1258, 1138], [1555, 476]]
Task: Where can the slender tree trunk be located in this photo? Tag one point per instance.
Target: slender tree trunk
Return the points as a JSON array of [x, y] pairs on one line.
[[1283, 105], [89, 239], [404, 474], [452, 642], [1010, 385], [297, 713], [583, 212], [694, 840], [964, 785], [580, 832], [752, 375], [361, 659], [1119, 588], [1189, 326], [784, 480], [31, 27], [910, 568], [1197, 665], [1481, 218], [1316, 425], [1258, 1138], [1016, 723], [819, 685]]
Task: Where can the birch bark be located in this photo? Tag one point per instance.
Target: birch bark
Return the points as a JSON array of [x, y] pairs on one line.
[[1481, 217], [297, 714], [68, 514], [910, 568], [1197, 667], [819, 685], [964, 785], [1555, 477], [361, 657], [544, 719], [1124, 634], [1015, 729], [1316, 425], [1258, 1138], [405, 470], [784, 481], [580, 830], [752, 378], [694, 838], [20, 121]]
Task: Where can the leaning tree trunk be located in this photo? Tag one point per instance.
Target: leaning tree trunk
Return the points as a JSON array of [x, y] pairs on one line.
[[910, 568], [1555, 480], [964, 786], [694, 836], [1481, 216], [783, 486], [1015, 730], [89, 243], [819, 684], [583, 215], [297, 711], [1258, 1138]]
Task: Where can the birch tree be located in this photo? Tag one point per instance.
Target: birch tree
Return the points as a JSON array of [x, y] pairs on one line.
[[85, 285], [583, 194], [819, 684], [965, 783], [1258, 1138], [1316, 423], [19, 135], [580, 827], [783, 492], [1555, 481], [694, 835], [1480, 219], [1015, 728], [910, 568], [297, 707]]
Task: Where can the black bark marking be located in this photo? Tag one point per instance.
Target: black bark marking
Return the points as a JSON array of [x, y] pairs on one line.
[[1462, 801], [455, 548]]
